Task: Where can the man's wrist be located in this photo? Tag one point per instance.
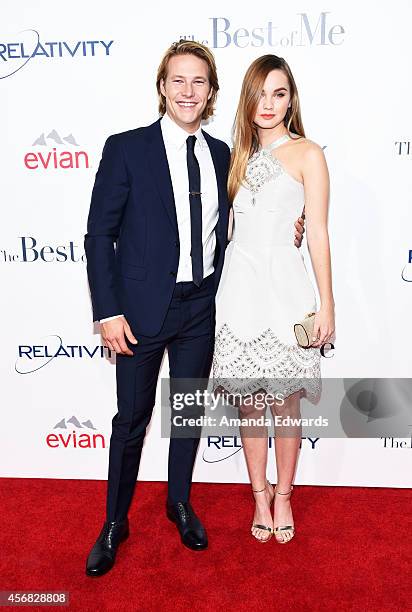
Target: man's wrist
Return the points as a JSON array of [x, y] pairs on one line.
[[110, 318]]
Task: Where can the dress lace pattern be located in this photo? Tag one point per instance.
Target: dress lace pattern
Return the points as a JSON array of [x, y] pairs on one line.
[[262, 167], [264, 363]]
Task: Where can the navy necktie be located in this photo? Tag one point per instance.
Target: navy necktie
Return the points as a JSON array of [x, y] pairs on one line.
[[195, 211]]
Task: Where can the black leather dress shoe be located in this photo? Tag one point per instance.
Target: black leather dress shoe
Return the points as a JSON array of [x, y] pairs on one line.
[[192, 532], [103, 554]]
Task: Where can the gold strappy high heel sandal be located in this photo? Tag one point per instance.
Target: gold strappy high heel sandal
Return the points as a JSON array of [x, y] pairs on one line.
[[284, 530], [264, 527]]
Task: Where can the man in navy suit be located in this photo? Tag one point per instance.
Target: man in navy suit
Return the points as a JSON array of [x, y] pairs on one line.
[[155, 243]]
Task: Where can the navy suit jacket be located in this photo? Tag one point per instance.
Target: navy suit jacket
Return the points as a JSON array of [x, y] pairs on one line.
[[132, 239]]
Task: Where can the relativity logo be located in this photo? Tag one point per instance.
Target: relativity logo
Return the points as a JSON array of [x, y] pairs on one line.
[[407, 269], [27, 46], [54, 152], [403, 148], [81, 435], [32, 358], [222, 448], [306, 31], [31, 249]]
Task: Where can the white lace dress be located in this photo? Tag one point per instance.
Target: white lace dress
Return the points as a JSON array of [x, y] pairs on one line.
[[265, 289]]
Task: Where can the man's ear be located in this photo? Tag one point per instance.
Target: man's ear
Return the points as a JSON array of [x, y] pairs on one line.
[[210, 93], [162, 87]]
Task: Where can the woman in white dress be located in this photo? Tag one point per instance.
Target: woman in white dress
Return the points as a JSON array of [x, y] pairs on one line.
[[276, 175]]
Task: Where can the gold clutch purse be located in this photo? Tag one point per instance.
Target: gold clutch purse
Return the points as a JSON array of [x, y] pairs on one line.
[[304, 330]]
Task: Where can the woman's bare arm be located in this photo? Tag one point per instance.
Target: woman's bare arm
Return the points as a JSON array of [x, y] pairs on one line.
[[316, 184]]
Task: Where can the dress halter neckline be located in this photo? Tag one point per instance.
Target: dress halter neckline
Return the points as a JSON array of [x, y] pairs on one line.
[[277, 142]]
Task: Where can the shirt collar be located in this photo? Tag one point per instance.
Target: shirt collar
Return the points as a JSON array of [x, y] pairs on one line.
[[174, 135]]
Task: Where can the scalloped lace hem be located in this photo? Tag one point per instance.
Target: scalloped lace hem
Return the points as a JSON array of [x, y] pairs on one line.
[[264, 363]]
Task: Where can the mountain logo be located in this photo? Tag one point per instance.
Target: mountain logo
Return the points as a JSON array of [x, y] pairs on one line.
[[75, 422], [55, 136]]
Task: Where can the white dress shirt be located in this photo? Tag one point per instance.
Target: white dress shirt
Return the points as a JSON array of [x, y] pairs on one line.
[[174, 138]]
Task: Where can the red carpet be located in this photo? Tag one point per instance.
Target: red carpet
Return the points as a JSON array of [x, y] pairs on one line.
[[351, 550]]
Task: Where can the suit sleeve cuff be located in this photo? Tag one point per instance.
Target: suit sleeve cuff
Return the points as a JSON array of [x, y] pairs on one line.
[[110, 318]]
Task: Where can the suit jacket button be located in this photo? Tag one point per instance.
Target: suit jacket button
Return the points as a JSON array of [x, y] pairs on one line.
[[177, 243], [173, 273]]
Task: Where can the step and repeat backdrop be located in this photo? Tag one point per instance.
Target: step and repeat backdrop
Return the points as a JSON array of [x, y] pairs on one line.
[[72, 75]]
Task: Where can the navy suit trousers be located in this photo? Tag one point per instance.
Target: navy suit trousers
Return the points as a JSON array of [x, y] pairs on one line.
[[188, 335]]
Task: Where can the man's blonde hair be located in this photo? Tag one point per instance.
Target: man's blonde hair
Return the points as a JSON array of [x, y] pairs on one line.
[[188, 47]]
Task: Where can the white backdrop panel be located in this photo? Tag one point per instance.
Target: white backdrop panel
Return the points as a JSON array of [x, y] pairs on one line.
[[93, 76]]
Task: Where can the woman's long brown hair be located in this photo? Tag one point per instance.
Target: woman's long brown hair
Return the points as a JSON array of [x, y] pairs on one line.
[[246, 141]]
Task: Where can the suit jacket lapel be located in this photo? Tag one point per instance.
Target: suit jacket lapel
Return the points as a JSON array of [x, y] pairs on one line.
[[221, 186], [160, 170]]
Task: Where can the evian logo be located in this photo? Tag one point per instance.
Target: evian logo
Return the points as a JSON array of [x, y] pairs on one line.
[[81, 435], [54, 152]]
